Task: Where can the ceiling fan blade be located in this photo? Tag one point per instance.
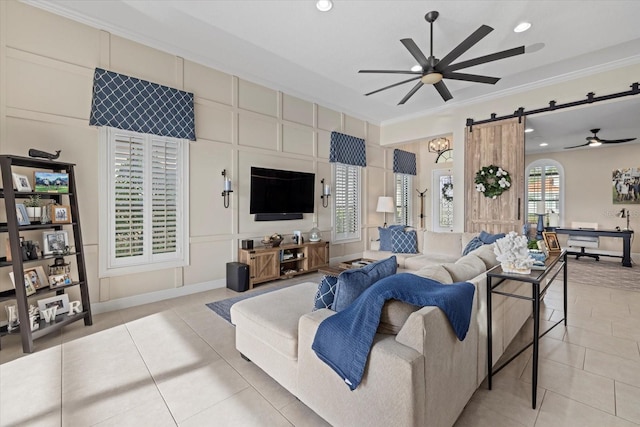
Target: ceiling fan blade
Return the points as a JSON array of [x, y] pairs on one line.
[[471, 78], [390, 72], [393, 85], [443, 90], [474, 38], [576, 146], [484, 59], [411, 92], [616, 141], [415, 51]]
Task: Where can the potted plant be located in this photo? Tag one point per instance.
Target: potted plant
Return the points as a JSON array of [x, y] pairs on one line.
[[34, 207]]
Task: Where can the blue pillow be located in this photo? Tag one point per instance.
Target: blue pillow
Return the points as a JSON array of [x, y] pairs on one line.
[[404, 242], [326, 292], [488, 238], [351, 283], [385, 236], [475, 243]]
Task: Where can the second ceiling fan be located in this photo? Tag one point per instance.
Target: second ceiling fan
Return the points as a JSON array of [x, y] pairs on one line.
[[434, 70], [594, 141]]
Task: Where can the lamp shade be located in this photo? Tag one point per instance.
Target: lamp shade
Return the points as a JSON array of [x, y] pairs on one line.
[[540, 207], [385, 204]]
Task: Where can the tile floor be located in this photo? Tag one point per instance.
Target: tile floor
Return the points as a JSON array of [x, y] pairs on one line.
[[174, 363]]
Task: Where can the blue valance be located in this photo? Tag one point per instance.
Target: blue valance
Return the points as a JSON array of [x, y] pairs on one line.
[[347, 149], [128, 103], [404, 162]]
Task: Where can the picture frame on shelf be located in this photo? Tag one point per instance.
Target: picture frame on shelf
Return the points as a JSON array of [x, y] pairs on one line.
[[60, 214], [51, 182], [21, 214], [551, 241], [34, 277], [7, 248], [21, 182], [61, 301], [55, 242], [58, 280]]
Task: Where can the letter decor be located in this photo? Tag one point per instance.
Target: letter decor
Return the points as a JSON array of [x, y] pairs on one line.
[[492, 181]]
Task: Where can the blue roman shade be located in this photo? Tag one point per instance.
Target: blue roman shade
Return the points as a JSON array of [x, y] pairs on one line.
[[128, 103], [404, 162], [347, 149]]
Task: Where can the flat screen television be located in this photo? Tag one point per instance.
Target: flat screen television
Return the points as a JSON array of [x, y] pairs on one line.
[[280, 194]]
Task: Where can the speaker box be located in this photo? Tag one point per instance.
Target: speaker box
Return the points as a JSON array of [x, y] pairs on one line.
[[237, 276], [247, 244]]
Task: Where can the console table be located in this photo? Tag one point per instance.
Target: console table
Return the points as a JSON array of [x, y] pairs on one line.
[[625, 235], [555, 264]]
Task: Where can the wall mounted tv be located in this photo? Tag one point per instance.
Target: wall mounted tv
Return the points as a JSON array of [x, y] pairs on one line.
[[281, 195]]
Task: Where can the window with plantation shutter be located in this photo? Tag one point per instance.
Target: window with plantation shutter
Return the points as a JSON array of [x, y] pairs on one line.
[[544, 183], [346, 202], [403, 199], [143, 202]]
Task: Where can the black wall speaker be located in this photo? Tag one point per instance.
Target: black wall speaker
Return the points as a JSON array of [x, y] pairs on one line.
[[247, 244], [237, 276]]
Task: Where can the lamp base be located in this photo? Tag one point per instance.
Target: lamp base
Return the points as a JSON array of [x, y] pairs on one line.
[[540, 227]]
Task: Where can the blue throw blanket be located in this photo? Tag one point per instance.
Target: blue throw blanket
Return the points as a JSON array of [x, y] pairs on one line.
[[343, 341]]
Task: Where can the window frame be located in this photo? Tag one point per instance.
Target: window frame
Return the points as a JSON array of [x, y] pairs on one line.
[[543, 163], [403, 201], [109, 265], [356, 234]]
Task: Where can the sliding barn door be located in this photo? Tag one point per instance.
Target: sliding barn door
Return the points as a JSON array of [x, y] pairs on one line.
[[502, 144]]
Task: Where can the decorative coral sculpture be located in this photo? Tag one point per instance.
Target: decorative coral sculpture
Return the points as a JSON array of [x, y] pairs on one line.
[[513, 254]]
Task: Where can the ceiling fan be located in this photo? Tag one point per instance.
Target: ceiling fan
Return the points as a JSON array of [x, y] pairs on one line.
[[434, 70], [594, 141]]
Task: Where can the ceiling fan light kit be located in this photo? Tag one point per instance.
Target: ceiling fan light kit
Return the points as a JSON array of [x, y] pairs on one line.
[[432, 70]]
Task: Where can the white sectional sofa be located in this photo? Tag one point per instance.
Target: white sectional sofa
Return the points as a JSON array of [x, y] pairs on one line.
[[420, 376]]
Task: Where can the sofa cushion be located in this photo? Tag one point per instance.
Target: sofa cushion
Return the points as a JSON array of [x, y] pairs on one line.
[[466, 268], [351, 283], [417, 262], [404, 242], [442, 244], [486, 254], [385, 236], [326, 292], [490, 238], [395, 313], [380, 255], [474, 243]]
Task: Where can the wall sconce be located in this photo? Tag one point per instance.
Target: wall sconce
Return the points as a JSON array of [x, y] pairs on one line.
[[227, 188], [624, 213], [326, 193], [385, 204]]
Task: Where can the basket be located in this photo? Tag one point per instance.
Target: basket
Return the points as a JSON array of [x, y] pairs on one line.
[[272, 243]]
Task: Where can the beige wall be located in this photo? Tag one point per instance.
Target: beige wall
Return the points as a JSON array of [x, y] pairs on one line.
[[46, 72]]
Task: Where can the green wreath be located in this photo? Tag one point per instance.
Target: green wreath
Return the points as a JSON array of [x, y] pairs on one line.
[[492, 181], [447, 192]]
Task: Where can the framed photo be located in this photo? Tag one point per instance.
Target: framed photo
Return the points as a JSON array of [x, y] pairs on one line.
[[7, 248], [57, 280], [55, 242], [21, 182], [34, 277], [60, 214], [21, 214], [551, 241], [51, 182], [61, 301]]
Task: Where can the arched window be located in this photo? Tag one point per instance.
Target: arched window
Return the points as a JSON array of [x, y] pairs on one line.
[[545, 182]]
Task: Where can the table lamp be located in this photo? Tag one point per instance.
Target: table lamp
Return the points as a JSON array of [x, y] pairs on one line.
[[385, 204]]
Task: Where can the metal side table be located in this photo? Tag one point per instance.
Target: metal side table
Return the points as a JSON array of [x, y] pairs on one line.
[[554, 264]]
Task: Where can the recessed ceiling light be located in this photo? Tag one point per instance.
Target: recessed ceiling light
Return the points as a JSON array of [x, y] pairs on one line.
[[416, 68], [522, 27], [543, 144], [528, 130], [324, 5]]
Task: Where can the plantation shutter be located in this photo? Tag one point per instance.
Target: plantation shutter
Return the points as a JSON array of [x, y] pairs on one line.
[[543, 184], [128, 194], [164, 182], [403, 200], [347, 201]]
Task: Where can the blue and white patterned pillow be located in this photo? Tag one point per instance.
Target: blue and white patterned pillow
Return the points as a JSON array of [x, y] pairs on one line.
[[404, 242], [385, 236], [473, 244], [326, 293]]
